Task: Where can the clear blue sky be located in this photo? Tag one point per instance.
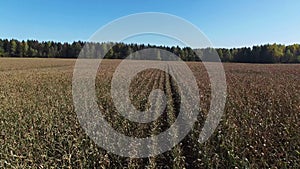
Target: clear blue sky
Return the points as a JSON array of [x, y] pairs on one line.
[[225, 23]]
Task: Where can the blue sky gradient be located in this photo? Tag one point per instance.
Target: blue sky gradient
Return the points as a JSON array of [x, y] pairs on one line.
[[225, 23]]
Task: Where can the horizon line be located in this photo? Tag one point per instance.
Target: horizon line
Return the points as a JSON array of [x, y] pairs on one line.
[[157, 45]]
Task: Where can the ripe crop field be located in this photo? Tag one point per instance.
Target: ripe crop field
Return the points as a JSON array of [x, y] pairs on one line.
[[260, 127]]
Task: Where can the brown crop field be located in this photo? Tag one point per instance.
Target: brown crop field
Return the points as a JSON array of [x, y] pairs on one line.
[[260, 127]]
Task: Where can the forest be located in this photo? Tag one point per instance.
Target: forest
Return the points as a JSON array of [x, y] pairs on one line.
[[268, 53]]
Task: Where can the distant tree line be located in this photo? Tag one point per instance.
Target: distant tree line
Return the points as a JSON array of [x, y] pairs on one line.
[[269, 53]]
